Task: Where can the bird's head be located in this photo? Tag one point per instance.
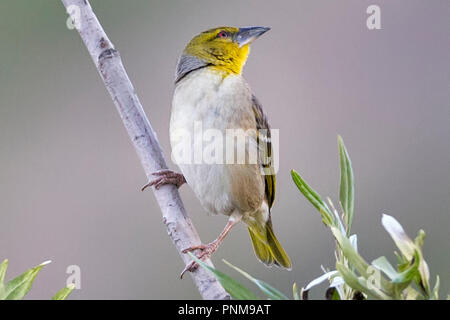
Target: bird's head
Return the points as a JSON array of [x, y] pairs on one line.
[[225, 48]]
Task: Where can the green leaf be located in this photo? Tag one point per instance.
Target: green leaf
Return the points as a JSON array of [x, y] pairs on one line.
[[3, 268], [409, 249], [409, 274], [420, 238], [268, 290], [359, 283], [410, 294], [400, 280], [235, 289], [347, 188], [295, 292], [18, 287], [332, 294], [314, 198], [435, 295], [336, 295], [64, 292], [337, 218]]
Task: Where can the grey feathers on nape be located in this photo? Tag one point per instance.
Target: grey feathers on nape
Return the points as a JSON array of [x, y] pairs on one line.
[[187, 64]]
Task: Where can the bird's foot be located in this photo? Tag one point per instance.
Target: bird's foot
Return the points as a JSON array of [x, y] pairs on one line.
[[165, 176], [206, 250]]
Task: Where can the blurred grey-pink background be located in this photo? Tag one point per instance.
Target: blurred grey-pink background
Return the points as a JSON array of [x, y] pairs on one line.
[[70, 179]]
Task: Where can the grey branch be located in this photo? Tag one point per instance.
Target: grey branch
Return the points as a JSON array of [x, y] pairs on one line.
[[109, 64]]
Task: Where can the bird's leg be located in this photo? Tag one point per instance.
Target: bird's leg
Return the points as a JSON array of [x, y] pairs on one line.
[[165, 176], [208, 249]]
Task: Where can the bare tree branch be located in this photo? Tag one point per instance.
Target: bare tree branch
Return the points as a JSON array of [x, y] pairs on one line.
[[109, 64]]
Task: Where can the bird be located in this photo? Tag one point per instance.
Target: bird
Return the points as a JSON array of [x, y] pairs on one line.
[[211, 91]]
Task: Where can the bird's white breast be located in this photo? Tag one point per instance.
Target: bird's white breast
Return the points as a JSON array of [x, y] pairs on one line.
[[206, 97]]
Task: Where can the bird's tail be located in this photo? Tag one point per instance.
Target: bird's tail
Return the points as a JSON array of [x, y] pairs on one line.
[[267, 248]]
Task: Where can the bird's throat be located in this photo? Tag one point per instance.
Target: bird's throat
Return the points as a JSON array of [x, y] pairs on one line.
[[233, 63], [227, 61]]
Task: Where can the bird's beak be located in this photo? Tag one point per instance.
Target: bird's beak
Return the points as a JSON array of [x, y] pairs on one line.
[[248, 34]]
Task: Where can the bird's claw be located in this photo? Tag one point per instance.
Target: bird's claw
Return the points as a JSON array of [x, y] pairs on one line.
[[165, 176], [191, 267], [206, 251]]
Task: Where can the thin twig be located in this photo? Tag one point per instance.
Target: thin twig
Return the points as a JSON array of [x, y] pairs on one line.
[[109, 64]]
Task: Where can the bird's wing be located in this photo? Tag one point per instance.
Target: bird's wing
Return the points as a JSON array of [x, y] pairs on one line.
[[265, 151]]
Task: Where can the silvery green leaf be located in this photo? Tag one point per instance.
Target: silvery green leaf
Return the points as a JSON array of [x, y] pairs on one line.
[[383, 264], [401, 239], [354, 241], [424, 275], [337, 219], [359, 283], [234, 288], [357, 261], [268, 290], [336, 282], [346, 190], [349, 252], [320, 279]]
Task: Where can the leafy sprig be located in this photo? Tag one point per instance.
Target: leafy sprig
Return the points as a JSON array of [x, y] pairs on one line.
[[17, 288], [354, 277]]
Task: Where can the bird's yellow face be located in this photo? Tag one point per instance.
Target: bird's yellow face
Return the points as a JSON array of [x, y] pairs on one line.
[[225, 48]]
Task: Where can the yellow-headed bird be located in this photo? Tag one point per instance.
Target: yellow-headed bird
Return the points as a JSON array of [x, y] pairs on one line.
[[210, 92]]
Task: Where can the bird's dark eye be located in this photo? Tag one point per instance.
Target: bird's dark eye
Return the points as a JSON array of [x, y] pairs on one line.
[[222, 34]]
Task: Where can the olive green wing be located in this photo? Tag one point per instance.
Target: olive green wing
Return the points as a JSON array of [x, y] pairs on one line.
[[265, 151]]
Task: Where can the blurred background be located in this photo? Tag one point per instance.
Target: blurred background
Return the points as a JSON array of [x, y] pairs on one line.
[[70, 179]]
